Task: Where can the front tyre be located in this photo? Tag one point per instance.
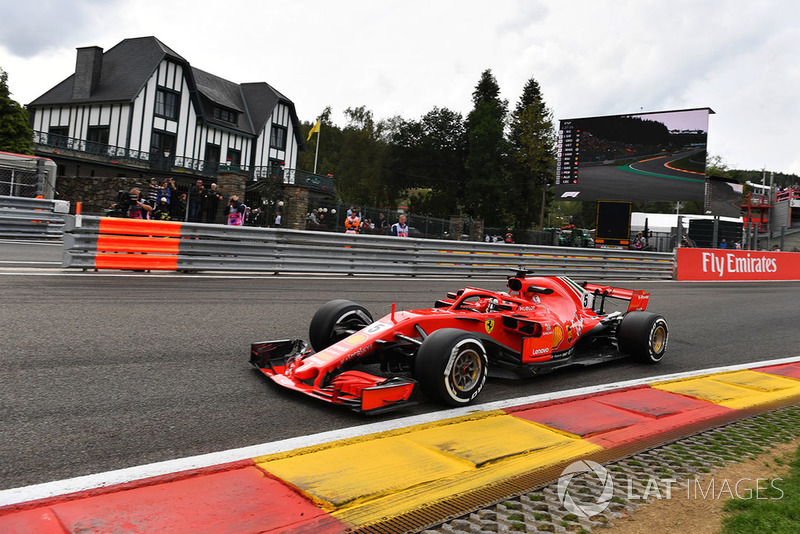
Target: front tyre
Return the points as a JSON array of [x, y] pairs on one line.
[[451, 366], [643, 335], [336, 320]]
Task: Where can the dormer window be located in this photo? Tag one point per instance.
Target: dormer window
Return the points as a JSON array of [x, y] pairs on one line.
[[226, 115]]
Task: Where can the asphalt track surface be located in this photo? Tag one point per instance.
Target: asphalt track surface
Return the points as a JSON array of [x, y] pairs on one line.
[[106, 371], [655, 181]]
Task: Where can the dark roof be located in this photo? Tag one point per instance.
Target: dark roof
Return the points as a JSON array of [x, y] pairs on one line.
[[128, 66]]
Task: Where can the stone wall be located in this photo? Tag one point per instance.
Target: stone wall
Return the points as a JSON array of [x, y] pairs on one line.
[[96, 194]]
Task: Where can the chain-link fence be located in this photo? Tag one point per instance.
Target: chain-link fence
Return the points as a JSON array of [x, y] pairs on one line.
[[18, 183]]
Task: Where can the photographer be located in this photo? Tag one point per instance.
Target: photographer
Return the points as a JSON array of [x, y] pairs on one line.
[[137, 208]]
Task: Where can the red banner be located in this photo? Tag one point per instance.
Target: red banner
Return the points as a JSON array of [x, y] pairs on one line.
[[721, 264]]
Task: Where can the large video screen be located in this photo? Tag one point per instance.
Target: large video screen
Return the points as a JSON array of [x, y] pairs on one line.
[[659, 156]]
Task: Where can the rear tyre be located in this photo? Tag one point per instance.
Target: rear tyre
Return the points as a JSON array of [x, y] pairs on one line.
[[643, 335], [451, 366], [336, 320]]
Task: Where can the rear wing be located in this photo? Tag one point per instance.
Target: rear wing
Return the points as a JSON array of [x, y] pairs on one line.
[[637, 299]]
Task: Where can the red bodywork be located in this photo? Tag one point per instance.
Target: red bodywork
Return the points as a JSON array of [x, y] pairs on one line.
[[535, 325]]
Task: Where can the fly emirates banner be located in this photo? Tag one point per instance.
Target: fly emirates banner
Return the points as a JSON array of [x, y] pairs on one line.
[[721, 264]]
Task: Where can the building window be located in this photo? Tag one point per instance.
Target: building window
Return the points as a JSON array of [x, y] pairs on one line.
[[167, 104], [213, 153], [234, 158], [277, 138], [226, 115], [162, 144], [97, 139], [58, 135]]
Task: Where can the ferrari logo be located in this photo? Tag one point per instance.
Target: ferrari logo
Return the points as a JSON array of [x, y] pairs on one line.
[[489, 326]]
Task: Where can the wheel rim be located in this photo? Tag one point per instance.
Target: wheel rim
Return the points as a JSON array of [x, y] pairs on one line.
[[658, 339], [349, 323], [466, 371]]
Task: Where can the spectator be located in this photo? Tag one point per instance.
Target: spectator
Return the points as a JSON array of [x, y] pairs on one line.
[[640, 241], [196, 193], [211, 204], [278, 220], [723, 243], [352, 223], [154, 193], [400, 228], [161, 212], [235, 211], [312, 218], [256, 217], [137, 209], [179, 208], [380, 224], [167, 188]]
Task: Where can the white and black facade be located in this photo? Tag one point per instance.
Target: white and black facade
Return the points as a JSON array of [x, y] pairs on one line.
[[141, 109]]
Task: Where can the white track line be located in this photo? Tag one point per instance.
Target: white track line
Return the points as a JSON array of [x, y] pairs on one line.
[[120, 476]]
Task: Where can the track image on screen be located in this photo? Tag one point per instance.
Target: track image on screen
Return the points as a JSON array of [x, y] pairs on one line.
[[659, 156]]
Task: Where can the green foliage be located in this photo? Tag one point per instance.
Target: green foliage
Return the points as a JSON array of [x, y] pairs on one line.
[[484, 195], [15, 131], [532, 166]]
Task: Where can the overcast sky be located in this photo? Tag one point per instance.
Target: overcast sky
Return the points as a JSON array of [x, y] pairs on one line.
[[590, 57]]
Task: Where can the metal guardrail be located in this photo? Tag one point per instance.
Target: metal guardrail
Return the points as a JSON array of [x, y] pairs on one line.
[[32, 217], [206, 247]]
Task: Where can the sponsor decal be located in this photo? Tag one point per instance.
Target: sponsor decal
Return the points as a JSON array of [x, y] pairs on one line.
[[356, 339], [489, 325], [324, 356], [558, 336]]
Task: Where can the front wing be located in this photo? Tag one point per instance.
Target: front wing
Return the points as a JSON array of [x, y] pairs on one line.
[[356, 390]]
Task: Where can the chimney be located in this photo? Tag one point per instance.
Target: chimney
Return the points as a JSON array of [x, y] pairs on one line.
[[87, 71]]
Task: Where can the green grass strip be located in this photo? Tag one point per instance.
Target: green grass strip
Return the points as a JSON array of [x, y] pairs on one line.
[[776, 510]]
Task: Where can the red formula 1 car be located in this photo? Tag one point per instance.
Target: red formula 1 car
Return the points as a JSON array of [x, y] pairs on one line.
[[540, 324]]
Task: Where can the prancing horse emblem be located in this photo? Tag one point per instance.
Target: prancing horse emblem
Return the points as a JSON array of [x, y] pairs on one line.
[[489, 326]]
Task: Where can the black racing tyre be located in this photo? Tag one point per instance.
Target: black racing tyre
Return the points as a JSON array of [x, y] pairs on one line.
[[451, 366], [334, 321], [643, 335]]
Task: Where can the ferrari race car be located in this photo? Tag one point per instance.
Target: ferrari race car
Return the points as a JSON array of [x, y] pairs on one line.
[[541, 324]]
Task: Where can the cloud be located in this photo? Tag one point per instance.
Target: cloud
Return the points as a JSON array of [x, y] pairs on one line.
[[30, 28]]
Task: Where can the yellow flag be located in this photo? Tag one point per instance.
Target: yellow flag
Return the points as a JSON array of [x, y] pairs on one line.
[[314, 130]]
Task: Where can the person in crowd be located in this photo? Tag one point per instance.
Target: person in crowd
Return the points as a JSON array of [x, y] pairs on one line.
[[161, 212], [400, 228], [723, 243], [640, 241], [137, 209], [255, 217], [352, 223], [154, 193], [196, 194], [179, 208], [278, 219], [211, 206], [167, 190], [236, 211], [380, 224]]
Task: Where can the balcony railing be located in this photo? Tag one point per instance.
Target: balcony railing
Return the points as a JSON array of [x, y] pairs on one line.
[[117, 155]]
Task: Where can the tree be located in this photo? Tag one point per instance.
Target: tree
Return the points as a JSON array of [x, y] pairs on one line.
[[427, 161], [486, 151], [15, 131], [532, 167]]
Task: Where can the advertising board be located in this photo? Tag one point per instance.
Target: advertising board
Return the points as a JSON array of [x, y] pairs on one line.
[[698, 264]]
